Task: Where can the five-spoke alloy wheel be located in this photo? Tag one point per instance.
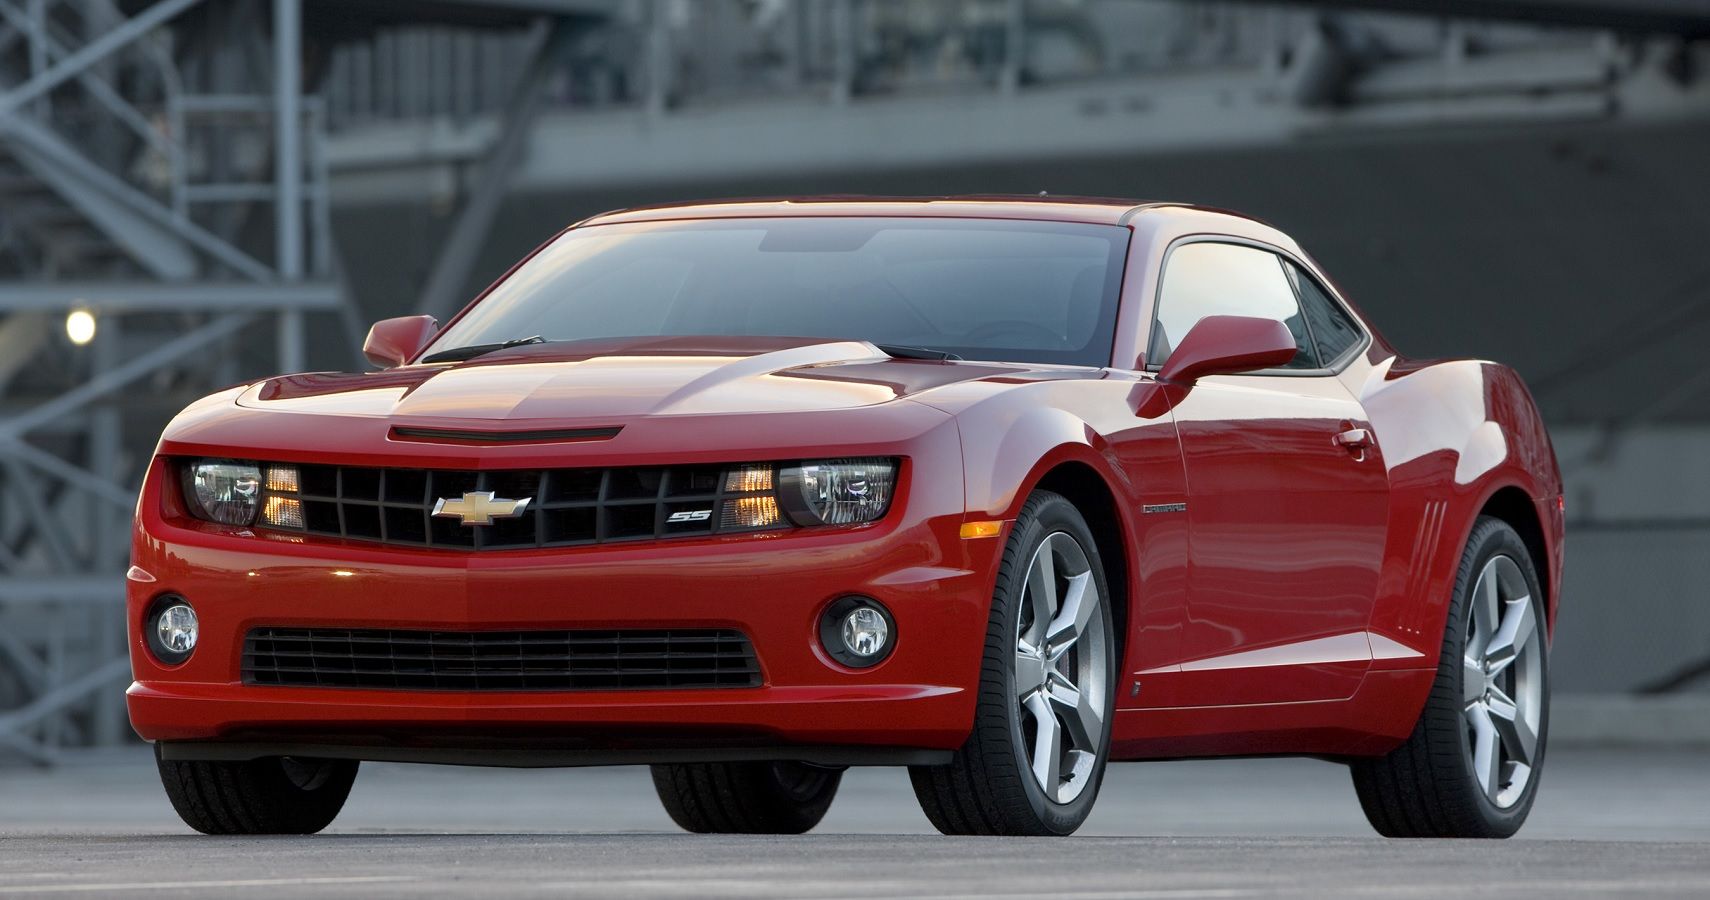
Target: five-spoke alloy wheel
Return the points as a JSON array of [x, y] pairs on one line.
[[1502, 681], [1041, 733], [1060, 678], [1470, 768]]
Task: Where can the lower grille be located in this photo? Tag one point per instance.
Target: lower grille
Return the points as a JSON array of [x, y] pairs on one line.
[[500, 660]]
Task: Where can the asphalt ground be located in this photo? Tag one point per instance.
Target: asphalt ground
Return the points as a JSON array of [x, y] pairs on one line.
[[1608, 822]]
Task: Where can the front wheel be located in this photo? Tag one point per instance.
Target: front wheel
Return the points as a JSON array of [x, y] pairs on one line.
[[1041, 734], [746, 797], [274, 795], [1471, 766]]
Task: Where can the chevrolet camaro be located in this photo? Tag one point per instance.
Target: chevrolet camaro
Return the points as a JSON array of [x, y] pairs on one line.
[[998, 489]]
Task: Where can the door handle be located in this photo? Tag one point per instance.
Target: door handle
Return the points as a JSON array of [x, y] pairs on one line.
[[1355, 439]]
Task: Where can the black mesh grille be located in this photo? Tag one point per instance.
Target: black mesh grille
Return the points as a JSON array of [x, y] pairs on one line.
[[500, 660], [566, 506]]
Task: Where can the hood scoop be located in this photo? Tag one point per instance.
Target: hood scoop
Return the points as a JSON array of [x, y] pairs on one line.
[[471, 436]]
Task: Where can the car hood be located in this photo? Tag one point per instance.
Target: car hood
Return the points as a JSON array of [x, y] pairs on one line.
[[626, 379]]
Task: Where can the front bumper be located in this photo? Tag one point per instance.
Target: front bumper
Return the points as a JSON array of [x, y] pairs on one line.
[[772, 587]]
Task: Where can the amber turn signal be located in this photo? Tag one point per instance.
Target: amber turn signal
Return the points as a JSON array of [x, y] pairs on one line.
[[981, 529]]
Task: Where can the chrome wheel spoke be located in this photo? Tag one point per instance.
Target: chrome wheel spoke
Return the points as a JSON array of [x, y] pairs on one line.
[[1472, 679], [1517, 628], [1072, 617], [1079, 716], [1517, 735], [1029, 669], [1487, 750], [1486, 604], [1041, 594], [1047, 744]]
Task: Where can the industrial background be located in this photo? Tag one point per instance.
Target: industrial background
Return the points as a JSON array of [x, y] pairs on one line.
[[197, 193]]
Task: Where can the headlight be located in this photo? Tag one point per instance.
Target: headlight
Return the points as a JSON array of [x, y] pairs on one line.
[[231, 492], [224, 491], [838, 491]]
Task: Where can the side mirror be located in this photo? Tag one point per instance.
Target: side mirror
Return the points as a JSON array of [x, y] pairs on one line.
[[1227, 345], [393, 342]]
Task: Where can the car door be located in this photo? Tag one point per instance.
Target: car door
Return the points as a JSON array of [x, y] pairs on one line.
[[1287, 495]]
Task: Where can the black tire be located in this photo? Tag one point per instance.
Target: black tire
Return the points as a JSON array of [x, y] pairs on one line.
[[988, 788], [746, 797], [274, 795], [1427, 787]]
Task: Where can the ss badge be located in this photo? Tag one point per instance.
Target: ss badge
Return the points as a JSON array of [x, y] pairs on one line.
[[690, 515]]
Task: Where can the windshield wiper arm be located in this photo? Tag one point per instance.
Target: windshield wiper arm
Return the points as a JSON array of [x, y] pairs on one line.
[[901, 352], [458, 354]]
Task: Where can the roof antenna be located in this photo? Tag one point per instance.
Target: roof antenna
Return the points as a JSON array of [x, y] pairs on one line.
[[1042, 193]]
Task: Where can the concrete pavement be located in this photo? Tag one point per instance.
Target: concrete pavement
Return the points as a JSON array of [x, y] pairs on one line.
[[1607, 822]]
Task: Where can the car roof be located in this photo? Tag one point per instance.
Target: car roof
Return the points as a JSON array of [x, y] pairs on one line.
[[1043, 207]]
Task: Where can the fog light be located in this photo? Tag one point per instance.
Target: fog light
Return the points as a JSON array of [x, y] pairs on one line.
[[857, 632], [172, 630], [865, 632]]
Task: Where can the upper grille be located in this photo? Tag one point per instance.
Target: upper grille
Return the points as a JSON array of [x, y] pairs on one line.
[[500, 660], [566, 506]]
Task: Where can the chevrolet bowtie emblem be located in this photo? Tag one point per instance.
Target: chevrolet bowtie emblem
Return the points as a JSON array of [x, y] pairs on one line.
[[480, 508]]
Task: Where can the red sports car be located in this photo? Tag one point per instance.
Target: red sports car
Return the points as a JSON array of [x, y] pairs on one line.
[[997, 489]]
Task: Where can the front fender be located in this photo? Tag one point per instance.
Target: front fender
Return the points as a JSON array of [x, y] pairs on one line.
[[1004, 460]]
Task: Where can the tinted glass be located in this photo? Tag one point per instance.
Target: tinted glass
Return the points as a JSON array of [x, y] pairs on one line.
[[1208, 279], [1332, 329], [982, 289]]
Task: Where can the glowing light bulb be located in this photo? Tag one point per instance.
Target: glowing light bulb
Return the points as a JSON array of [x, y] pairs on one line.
[[80, 326]]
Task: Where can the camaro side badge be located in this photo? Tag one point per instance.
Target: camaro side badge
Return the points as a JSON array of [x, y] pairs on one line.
[[480, 508], [1149, 508]]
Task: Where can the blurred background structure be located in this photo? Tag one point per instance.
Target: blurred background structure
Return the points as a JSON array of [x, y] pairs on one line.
[[197, 192]]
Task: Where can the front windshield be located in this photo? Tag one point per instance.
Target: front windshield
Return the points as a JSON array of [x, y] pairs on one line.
[[982, 289]]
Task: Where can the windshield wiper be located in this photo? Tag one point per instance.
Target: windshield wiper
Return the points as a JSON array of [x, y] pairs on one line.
[[901, 352], [458, 354]]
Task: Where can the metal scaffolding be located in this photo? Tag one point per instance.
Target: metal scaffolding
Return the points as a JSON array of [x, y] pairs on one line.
[[164, 192], [162, 172]]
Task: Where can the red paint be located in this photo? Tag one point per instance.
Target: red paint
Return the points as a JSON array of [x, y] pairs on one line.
[[393, 342], [1228, 345], [1297, 606]]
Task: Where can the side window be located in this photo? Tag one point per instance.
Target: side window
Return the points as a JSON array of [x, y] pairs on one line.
[[1210, 279], [1331, 327]]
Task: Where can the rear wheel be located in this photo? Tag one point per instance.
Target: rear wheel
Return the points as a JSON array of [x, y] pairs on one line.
[[275, 795], [746, 797], [1041, 735], [1470, 768]]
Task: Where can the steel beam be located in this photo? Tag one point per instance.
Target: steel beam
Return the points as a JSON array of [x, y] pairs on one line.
[[94, 84], [46, 141], [288, 169], [288, 137], [39, 518], [150, 296], [76, 477], [445, 284], [1685, 18], [65, 695], [72, 589], [120, 376], [75, 63], [153, 248]]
